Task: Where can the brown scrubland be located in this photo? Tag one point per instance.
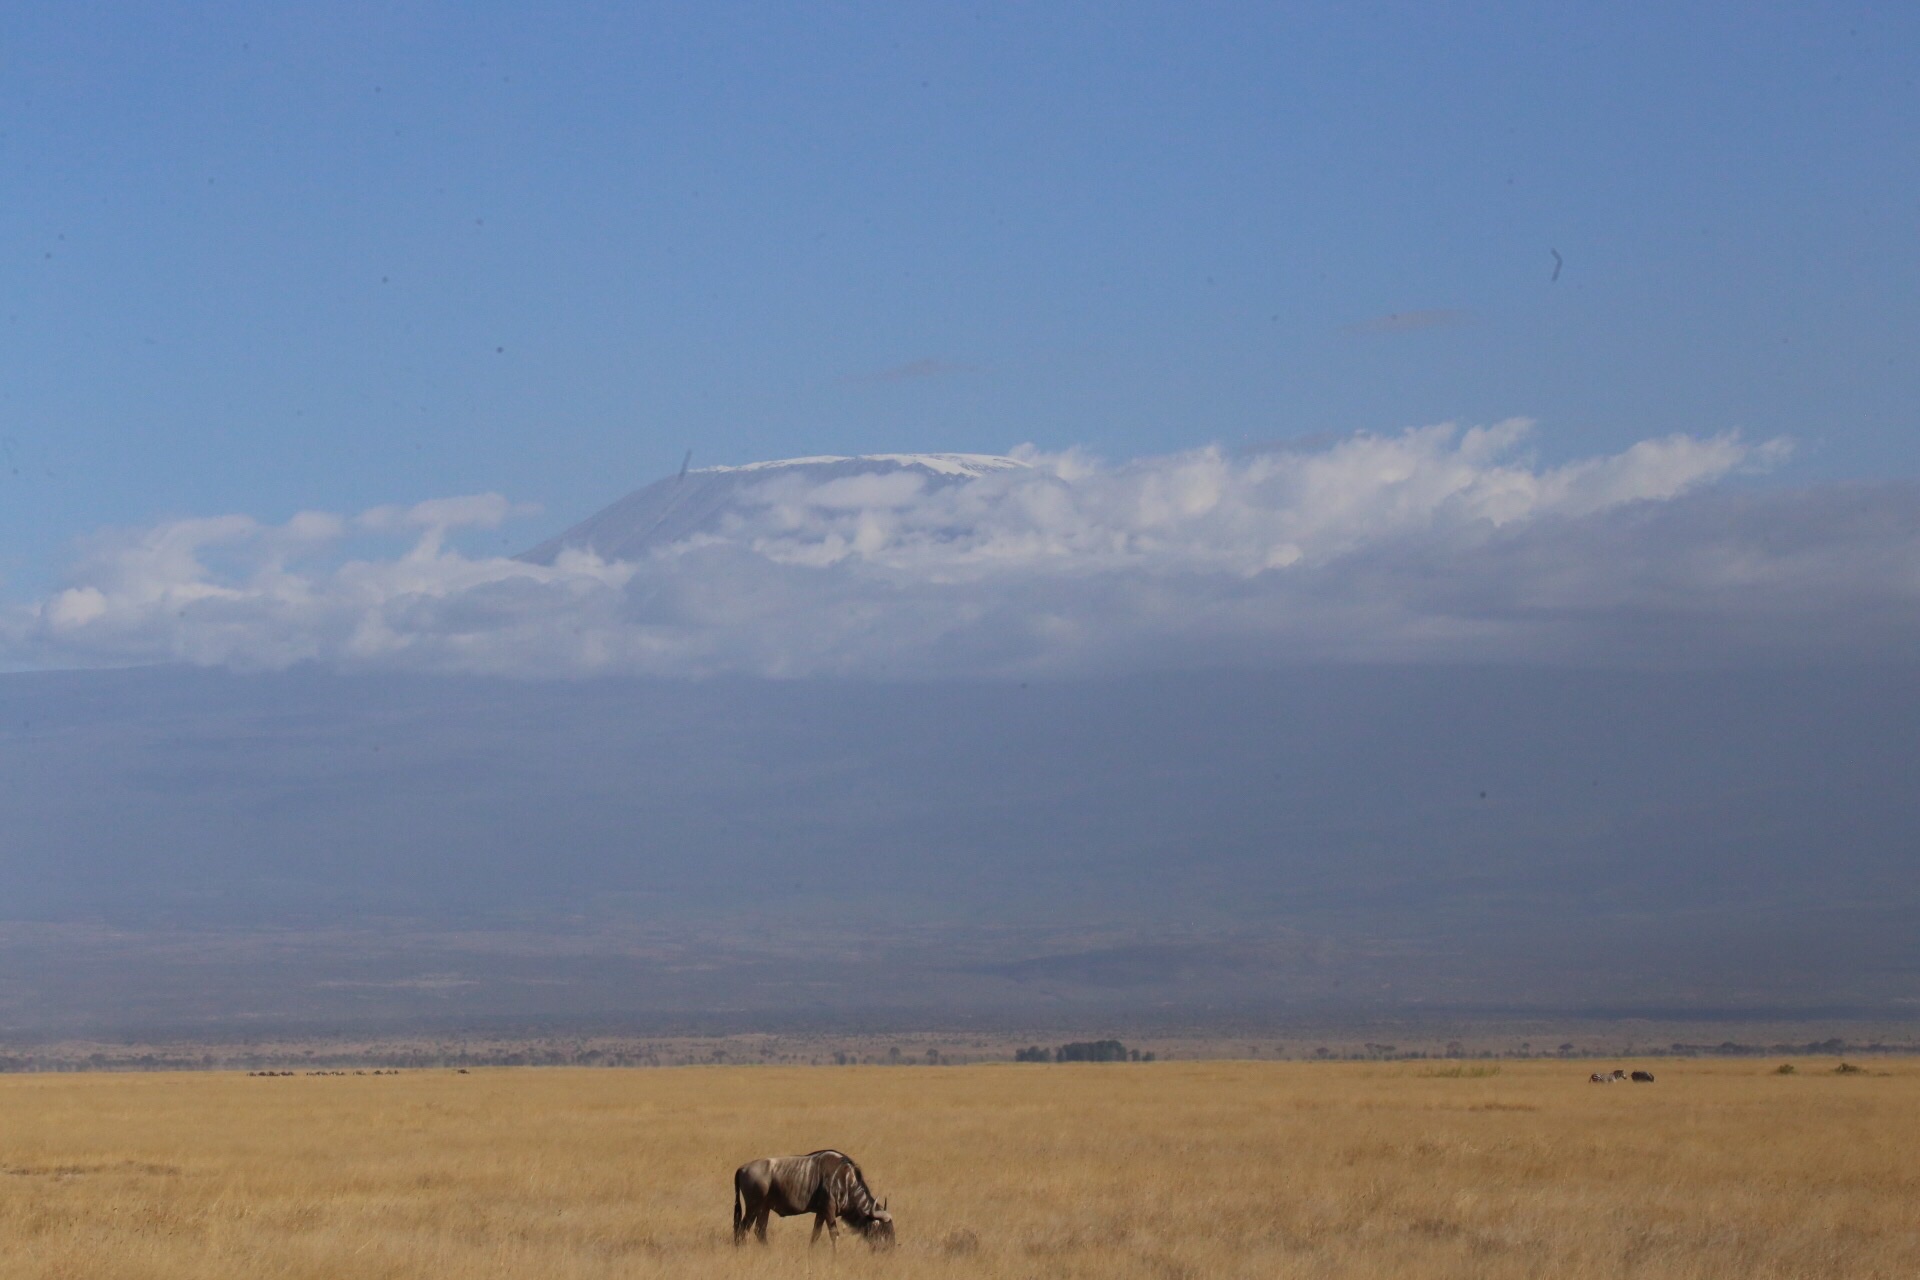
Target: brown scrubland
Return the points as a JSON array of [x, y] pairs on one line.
[[1200, 1169]]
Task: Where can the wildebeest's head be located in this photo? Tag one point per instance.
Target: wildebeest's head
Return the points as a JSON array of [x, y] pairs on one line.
[[878, 1230]]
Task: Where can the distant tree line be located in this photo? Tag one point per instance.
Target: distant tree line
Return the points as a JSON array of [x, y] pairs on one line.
[[1083, 1051]]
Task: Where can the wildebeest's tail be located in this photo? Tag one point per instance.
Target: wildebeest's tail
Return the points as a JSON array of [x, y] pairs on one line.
[[739, 1215]]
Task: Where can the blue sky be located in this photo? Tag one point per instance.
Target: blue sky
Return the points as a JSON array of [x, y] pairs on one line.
[[264, 259]]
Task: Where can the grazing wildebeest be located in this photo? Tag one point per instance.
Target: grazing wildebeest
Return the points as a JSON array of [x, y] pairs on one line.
[[1643, 1077], [826, 1184]]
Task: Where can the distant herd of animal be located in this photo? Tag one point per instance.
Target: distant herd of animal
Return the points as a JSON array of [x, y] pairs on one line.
[[1616, 1076]]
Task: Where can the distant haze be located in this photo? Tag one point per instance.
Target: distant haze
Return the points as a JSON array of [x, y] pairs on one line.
[[199, 848]]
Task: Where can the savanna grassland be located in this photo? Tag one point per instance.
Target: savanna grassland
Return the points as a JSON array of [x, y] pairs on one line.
[[1165, 1169]]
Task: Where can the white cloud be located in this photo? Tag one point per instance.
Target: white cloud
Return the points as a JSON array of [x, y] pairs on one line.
[[1434, 544], [479, 511]]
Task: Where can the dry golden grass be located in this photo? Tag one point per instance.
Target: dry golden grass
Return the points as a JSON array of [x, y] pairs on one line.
[[1173, 1169]]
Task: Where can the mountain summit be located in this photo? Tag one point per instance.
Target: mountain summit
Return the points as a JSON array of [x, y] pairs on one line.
[[698, 501]]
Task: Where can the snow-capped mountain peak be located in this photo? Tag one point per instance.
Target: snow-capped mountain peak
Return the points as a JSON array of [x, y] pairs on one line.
[[679, 507]]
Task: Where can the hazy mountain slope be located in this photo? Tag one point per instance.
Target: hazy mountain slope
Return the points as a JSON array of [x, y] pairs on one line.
[[1348, 834]]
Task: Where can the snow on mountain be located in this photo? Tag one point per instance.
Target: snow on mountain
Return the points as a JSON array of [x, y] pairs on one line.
[[964, 466], [679, 507]]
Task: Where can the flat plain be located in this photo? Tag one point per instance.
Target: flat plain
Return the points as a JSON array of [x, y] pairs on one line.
[[1194, 1169]]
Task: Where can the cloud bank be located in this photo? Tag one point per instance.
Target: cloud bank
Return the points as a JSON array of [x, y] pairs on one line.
[[1437, 544]]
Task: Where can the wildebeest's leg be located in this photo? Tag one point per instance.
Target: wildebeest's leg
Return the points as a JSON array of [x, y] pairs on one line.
[[760, 1223], [833, 1232]]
